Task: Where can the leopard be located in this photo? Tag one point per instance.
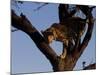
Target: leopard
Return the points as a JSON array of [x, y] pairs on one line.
[[67, 32]]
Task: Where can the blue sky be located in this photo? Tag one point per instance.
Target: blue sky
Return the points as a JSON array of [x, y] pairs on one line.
[[26, 57]]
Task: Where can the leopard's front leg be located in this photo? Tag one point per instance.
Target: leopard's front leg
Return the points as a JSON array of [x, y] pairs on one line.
[[65, 46]]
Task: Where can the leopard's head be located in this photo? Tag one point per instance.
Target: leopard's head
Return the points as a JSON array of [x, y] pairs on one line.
[[48, 35]]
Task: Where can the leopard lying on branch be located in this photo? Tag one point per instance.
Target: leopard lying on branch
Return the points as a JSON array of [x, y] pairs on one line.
[[67, 32]]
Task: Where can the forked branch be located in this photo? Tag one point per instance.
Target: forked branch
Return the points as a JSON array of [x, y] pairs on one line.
[[79, 50]]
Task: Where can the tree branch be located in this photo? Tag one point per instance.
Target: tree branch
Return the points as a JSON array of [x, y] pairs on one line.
[[23, 24], [78, 51], [91, 66], [64, 12], [38, 8]]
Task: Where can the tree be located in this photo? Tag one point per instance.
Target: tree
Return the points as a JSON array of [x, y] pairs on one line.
[[68, 63]]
